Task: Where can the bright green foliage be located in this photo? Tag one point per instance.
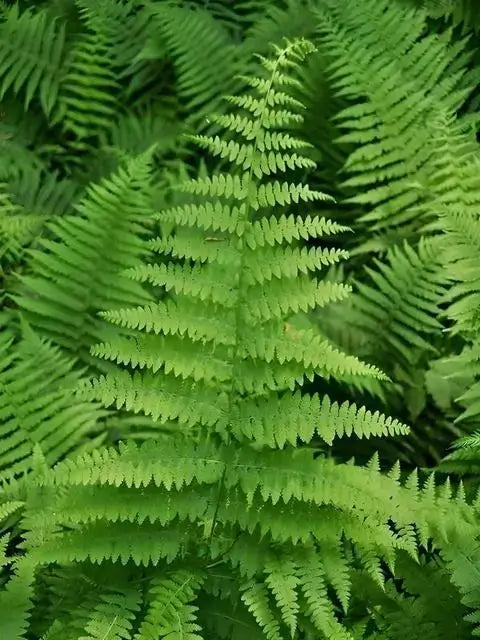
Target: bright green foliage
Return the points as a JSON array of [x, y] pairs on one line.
[[190, 374], [229, 512], [200, 357]]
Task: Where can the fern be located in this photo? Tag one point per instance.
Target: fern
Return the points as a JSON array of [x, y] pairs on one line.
[[170, 613], [197, 43], [78, 274], [456, 203], [229, 514], [16, 228], [393, 318], [32, 56], [87, 101], [111, 618], [37, 409], [396, 80]]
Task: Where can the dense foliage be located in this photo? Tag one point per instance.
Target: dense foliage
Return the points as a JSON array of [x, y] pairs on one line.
[[239, 325]]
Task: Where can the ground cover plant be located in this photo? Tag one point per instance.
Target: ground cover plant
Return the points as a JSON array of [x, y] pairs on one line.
[[239, 285]]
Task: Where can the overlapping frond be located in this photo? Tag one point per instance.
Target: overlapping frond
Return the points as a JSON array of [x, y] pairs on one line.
[[87, 100], [32, 46], [197, 43], [78, 271], [394, 315], [396, 80], [37, 405]]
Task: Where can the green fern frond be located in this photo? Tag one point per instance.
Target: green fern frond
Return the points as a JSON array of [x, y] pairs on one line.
[[405, 298], [87, 100], [171, 464], [282, 580], [396, 80], [36, 405], [16, 598], [32, 45], [134, 130], [6, 510], [17, 227], [319, 606], [111, 618], [206, 275], [77, 273], [42, 193], [197, 43], [255, 597], [393, 319], [463, 231], [170, 613], [277, 421]]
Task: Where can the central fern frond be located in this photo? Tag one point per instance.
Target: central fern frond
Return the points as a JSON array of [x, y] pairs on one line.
[[227, 339]]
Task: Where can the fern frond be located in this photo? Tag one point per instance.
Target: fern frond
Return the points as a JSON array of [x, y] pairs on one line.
[[403, 296], [255, 597], [16, 598], [87, 100], [396, 79], [36, 405], [111, 618], [77, 273], [17, 227], [32, 45], [278, 421], [283, 582], [164, 399], [171, 464], [197, 43], [170, 613], [314, 587]]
